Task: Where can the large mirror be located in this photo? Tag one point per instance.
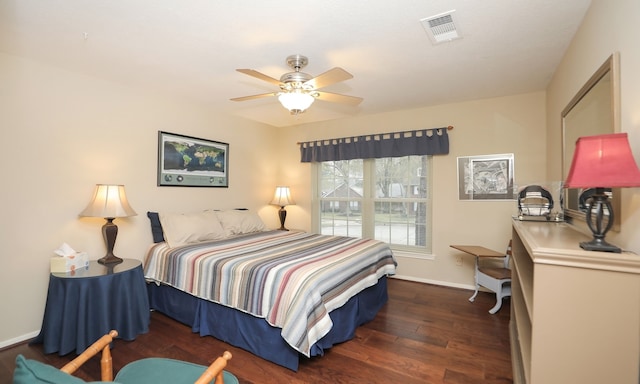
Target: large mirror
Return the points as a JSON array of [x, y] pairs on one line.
[[594, 110]]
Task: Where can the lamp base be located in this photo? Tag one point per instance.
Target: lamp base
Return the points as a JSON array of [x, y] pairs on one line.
[[110, 259], [109, 232], [602, 246], [282, 213], [599, 220]]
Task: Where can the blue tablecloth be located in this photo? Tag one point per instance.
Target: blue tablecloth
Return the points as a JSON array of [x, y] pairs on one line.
[[83, 307]]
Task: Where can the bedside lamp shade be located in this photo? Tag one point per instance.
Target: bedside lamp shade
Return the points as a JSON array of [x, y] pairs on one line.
[[600, 162], [109, 202], [282, 198]]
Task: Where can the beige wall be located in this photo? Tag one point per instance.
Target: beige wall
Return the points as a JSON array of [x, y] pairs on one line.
[[512, 124], [609, 26], [61, 134]]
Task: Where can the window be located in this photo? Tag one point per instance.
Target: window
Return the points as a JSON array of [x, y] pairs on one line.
[[341, 193], [386, 199]]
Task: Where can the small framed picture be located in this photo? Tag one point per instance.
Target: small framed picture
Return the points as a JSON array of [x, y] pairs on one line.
[[487, 177], [185, 161]]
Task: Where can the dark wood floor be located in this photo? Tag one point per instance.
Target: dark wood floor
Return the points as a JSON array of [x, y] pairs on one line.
[[425, 334]]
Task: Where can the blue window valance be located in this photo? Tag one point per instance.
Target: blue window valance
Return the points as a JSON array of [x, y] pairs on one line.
[[433, 141]]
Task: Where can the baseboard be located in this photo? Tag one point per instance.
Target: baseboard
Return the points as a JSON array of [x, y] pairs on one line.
[[18, 340], [434, 282]]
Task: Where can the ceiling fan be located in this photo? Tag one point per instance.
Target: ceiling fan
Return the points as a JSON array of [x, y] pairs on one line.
[[298, 90]]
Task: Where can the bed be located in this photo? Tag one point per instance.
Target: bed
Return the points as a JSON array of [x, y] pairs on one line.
[[282, 295]]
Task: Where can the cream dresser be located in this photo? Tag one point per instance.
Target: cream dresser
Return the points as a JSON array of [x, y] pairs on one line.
[[575, 314]]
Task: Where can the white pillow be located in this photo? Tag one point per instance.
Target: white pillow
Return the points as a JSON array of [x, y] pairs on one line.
[[236, 222], [186, 228]]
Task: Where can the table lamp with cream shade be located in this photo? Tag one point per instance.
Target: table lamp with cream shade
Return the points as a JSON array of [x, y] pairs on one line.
[[109, 201]]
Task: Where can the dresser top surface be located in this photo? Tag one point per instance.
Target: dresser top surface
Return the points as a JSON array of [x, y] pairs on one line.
[[559, 244]]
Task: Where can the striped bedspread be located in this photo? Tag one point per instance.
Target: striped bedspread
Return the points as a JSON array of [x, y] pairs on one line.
[[291, 279]]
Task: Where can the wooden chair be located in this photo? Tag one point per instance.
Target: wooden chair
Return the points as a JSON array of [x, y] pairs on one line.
[[149, 370], [491, 271]]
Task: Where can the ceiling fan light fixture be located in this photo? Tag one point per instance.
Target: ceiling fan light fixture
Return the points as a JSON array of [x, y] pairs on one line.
[[298, 90], [296, 102]]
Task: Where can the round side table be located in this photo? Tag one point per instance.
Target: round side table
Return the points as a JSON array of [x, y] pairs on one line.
[[87, 303]]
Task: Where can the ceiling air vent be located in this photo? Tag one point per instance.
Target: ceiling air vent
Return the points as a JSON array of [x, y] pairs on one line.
[[441, 28]]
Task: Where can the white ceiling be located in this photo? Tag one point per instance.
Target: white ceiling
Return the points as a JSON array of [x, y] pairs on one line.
[[191, 48]]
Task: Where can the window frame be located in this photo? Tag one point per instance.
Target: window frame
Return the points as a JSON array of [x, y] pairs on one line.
[[368, 203]]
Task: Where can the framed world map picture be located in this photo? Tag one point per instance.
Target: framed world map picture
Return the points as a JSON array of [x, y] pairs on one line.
[[185, 161]]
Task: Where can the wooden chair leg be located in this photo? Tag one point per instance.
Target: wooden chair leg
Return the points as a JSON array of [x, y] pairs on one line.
[[215, 370], [106, 366]]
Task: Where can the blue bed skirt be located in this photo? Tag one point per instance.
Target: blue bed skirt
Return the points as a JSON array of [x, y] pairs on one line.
[[255, 334]]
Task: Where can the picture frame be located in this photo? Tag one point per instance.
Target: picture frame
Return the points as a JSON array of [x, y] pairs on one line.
[[486, 177], [186, 161]]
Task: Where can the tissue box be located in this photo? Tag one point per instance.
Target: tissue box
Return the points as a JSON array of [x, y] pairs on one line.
[[61, 264]]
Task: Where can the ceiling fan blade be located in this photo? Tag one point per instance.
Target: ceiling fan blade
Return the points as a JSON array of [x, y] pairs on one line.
[[252, 97], [332, 76], [338, 98], [261, 76]]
